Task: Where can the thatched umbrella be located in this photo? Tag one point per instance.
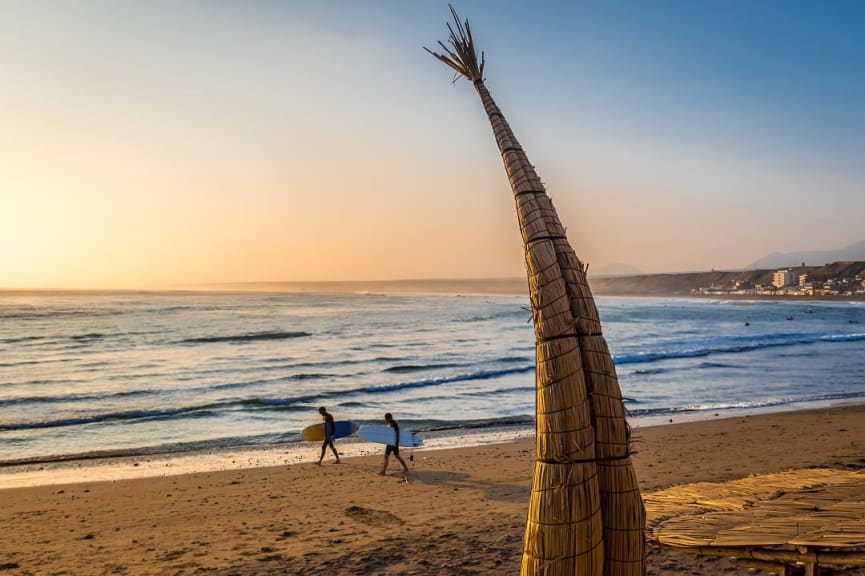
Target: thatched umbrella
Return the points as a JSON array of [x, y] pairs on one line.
[[585, 514]]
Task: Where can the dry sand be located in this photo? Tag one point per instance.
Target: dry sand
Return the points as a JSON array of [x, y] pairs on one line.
[[460, 512]]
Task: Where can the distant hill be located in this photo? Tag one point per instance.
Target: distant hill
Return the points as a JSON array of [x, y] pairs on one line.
[[811, 258], [635, 285], [681, 284]]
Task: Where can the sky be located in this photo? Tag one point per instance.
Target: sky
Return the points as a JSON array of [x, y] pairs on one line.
[[160, 144]]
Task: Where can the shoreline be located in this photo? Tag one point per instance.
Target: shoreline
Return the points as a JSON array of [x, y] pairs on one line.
[[465, 430], [163, 464], [225, 459], [461, 512], [243, 457]]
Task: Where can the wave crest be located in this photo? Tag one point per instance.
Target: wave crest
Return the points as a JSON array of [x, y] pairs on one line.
[[732, 345], [240, 338]]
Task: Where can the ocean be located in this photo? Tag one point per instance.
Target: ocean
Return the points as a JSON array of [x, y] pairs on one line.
[[85, 375]]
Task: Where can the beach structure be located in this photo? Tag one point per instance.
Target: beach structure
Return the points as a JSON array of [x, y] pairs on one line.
[[777, 522], [585, 512]]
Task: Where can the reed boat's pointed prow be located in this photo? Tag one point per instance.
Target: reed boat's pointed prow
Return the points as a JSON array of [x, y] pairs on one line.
[[585, 512]]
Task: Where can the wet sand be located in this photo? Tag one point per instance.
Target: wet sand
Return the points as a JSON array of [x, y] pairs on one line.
[[461, 511]]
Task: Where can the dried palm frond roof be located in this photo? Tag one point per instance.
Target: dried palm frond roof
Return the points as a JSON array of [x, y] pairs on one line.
[[789, 516]]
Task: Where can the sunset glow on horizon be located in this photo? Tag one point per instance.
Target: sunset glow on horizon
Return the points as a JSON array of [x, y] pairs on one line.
[[154, 145]]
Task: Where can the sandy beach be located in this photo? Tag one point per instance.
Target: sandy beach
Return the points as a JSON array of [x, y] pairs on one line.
[[461, 511]]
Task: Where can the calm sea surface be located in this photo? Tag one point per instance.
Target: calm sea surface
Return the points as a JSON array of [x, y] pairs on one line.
[[134, 373]]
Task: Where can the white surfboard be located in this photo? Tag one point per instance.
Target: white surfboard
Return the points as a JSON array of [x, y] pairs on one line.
[[381, 434]]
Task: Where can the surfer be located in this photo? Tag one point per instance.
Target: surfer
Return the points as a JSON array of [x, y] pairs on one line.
[[392, 448], [329, 434]]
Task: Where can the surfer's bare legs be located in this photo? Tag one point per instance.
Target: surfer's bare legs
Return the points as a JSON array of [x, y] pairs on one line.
[[324, 446], [384, 468], [387, 461], [401, 461], [335, 453]]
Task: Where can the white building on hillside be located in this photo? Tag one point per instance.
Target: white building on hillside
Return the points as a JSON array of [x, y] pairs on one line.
[[783, 278]]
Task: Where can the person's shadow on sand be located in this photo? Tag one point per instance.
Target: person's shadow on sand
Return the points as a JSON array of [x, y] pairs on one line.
[[498, 492]]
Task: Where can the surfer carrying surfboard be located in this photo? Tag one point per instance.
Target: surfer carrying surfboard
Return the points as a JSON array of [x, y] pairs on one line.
[[392, 448], [329, 434]]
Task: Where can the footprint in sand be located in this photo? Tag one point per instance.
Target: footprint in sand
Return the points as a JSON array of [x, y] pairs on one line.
[[372, 517]]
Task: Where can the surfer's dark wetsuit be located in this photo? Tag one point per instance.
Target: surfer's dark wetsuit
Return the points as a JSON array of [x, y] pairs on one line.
[[329, 431], [393, 448], [329, 435]]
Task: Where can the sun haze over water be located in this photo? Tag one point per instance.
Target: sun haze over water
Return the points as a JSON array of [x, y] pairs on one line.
[[159, 144]]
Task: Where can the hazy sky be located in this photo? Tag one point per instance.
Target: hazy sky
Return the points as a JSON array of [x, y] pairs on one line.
[[147, 144]]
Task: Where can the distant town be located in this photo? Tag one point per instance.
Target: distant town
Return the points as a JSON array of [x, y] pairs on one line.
[[835, 280], [788, 282]]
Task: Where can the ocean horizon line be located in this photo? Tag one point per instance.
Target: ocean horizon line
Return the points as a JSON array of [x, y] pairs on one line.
[[437, 285], [652, 284]]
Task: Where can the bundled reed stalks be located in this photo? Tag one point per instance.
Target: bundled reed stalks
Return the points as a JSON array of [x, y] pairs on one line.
[[585, 513]]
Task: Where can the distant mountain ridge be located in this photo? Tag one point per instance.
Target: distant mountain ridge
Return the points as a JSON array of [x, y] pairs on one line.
[[810, 258], [678, 284]]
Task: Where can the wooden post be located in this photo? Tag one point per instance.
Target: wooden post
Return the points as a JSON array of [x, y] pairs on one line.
[[811, 565]]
